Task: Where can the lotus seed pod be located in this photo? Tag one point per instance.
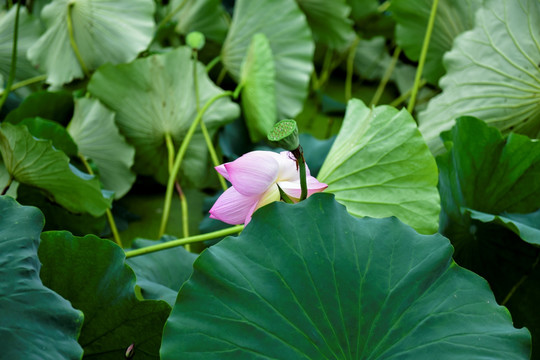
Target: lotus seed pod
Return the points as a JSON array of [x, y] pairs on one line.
[[285, 135], [195, 40]]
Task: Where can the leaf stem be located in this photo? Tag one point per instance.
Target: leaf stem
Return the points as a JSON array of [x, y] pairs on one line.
[[110, 217], [301, 163], [386, 77], [13, 66], [189, 240], [284, 196], [73, 43], [26, 82], [6, 188], [213, 63], [350, 68], [179, 157], [406, 94], [170, 15], [423, 55]]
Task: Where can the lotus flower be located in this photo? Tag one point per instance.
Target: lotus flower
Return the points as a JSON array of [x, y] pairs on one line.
[[255, 178]]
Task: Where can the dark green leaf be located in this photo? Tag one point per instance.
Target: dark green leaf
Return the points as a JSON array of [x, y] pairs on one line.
[[91, 273], [37, 324], [50, 130], [309, 281], [56, 106]]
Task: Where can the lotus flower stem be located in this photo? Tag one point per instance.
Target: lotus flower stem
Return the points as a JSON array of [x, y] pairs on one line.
[[13, 66], [213, 63], [406, 94], [350, 67], [73, 43], [386, 77], [423, 54], [171, 14], [189, 240], [180, 156], [299, 155]]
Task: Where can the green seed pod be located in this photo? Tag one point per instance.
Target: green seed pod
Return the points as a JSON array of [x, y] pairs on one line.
[[285, 135], [195, 40]]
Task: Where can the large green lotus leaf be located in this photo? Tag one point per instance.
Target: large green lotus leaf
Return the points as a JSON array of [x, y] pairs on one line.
[[258, 92], [29, 32], [105, 31], [493, 73], [98, 138], [485, 172], [37, 323], [360, 9], [329, 21], [155, 96], [56, 106], [452, 18], [527, 226], [206, 16], [161, 274], [309, 281], [91, 273], [286, 28], [36, 163], [50, 130], [380, 166]]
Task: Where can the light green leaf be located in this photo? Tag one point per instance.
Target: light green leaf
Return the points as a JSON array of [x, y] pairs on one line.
[[329, 21], [286, 28], [526, 226], [56, 106], [309, 281], [452, 18], [206, 16], [97, 136], [105, 31], [50, 130], [492, 73], [37, 323], [36, 163], [380, 166], [29, 32], [258, 92], [91, 273], [155, 96]]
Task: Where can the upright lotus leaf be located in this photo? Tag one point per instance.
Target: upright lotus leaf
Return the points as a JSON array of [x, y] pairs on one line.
[[56, 106], [104, 31], [309, 281], [286, 28], [155, 96], [329, 21], [492, 73], [37, 323], [98, 138], [206, 16], [380, 166], [91, 273], [161, 274], [36, 163], [452, 18], [258, 93], [29, 32], [50, 130], [487, 173]]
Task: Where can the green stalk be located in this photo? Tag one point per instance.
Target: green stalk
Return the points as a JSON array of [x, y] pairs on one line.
[[73, 43], [178, 160], [386, 77], [183, 200], [189, 240], [170, 15], [423, 55], [110, 217], [350, 68], [284, 196], [213, 63], [406, 94], [326, 69], [13, 67], [301, 163], [26, 82]]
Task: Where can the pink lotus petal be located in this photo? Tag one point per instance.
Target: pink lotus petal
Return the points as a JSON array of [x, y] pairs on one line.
[[271, 195], [223, 171], [233, 208], [294, 190], [253, 173]]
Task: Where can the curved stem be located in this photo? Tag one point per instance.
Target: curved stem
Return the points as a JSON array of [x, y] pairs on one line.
[[170, 15], [13, 66], [73, 43], [213, 63], [350, 68], [110, 217], [284, 196], [423, 55], [179, 157], [26, 82], [406, 94], [386, 77], [221, 76], [189, 240]]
